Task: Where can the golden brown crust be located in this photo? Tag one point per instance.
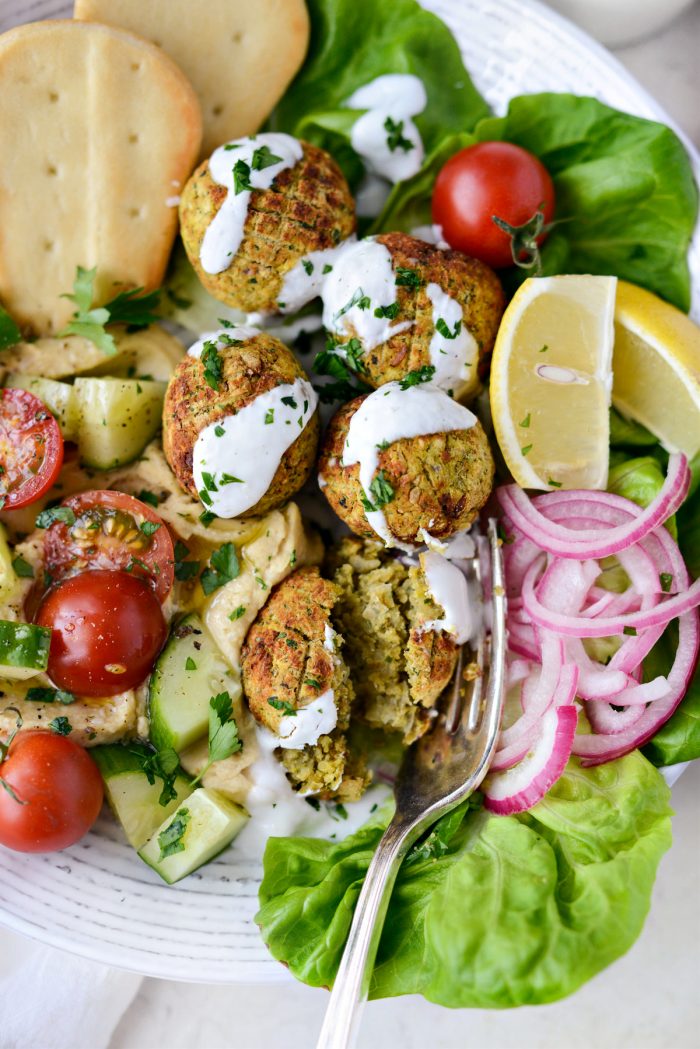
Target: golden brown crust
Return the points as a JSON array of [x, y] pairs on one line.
[[249, 369], [471, 283], [440, 481], [309, 207]]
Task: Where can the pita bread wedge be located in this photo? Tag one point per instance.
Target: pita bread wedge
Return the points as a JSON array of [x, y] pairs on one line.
[[98, 131], [240, 55]]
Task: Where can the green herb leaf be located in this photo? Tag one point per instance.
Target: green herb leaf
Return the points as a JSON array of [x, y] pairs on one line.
[[442, 328], [10, 334], [419, 375], [149, 527], [223, 730], [45, 694], [22, 568], [55, 513], [395, 138], [150, 498], [526, 422], [190, 664], [133, 308], [263, 157], [61, 726], [213, 364], [283, 705], [666, 581], [171, 840], [241, 177], [225, 479], [390, 312], [224, 566], [237, 613], [269, 416], [406, 278]]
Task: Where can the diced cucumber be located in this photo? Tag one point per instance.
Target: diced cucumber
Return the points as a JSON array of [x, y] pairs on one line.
[[116, 418], [151, 353], [57, 396], [8, 579], [133, 800], [189, 671], [197, 832], [24, 649]]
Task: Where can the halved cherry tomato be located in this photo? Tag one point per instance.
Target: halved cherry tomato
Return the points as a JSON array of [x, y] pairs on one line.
[[487, 179], [50, 793], [107, 629], [114, 531], [31, 448]]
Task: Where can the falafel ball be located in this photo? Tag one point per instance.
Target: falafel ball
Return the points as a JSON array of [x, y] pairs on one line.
[[308, 207], [437, 481], [297, 684], [219, 454], [432, 309], [398, 667]]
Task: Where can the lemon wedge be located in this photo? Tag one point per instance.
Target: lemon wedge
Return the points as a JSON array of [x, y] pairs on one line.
[[551, 377], [656, 368]]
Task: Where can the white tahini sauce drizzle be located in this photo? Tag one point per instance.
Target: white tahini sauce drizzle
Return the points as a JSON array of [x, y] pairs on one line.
[[453, 358], [329, 642], [385, 136], [390, 414], [277, 810], [431, 235], [240, 453], [448, 587], [306, 727], [224, 234], [307, 277], [362, 281]]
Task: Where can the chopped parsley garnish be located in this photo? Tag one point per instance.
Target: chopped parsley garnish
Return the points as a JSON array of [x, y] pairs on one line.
[[391, 311], [383, 493], [209, 482], [61, 726], [206, 517], [312, 682], [327, 269], [223, 730], [283, 705], [269, 416], [133, 308], [292, 559], [150, 498], [290, 402], [406, 278], [526, 422], [629, 631], [149, 527], [237, 613], [342, 811], [308, 266], [9, 331], [190, 664], [44, 694], [353, 352], [395, 138], [417, 376], [263, 157], [526, 449], [241, 177], [442, 328], [163, 764], [213, 365], [666, 580], [383, 445], [205, 497], [343, 369], [553, 484], [544, 348], [219, 430], [223, 567], [22, 568], [171, 840], [314, 803], [358, 299], [56, 513], [184, 570], [229, 479]]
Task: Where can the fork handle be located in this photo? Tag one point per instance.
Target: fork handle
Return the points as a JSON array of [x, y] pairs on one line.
[[351, 985]]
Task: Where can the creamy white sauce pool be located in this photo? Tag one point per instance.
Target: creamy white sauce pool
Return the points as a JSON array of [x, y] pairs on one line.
[[224, 234], [306, 727], [307, 277], [235, 458], [361, 283], [385, 136], [431, 235], [390, 414], [277, 811], [453, 349]]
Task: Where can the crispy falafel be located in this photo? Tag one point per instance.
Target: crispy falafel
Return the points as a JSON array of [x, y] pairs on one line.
[[298, 685], [435, 482], [432, 310], [307, 208], [220, 377]]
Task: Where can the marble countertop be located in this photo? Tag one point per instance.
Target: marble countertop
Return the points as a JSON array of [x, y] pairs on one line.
[[646, 1000]]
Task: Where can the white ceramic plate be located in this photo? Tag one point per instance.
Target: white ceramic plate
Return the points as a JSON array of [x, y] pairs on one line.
[[97, 899]]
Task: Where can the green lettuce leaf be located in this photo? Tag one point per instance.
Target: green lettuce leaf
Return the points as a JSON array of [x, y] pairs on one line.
[[499, 911], [626, 198], [354, 41]]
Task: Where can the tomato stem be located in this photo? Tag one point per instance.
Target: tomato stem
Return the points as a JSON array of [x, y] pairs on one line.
[[523, 240]]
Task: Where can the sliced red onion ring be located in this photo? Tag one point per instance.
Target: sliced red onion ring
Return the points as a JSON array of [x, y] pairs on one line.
[[579, 544]]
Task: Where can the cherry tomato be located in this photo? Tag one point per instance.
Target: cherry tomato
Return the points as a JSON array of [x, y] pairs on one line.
[[111, 531], [108, 628], [31, 448], [490, 178], [50, 793]]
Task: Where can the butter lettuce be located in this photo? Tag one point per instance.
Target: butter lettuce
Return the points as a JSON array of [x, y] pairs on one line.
[[491, 911], [626, 198], [355, 41]]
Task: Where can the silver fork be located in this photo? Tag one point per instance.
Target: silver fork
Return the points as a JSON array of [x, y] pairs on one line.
[[437, 773]]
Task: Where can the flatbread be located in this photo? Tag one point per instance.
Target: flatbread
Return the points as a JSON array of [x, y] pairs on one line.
[[240, 55], [98, 131]]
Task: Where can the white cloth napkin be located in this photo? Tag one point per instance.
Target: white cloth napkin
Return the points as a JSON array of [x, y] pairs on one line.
[[53, 1000]]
